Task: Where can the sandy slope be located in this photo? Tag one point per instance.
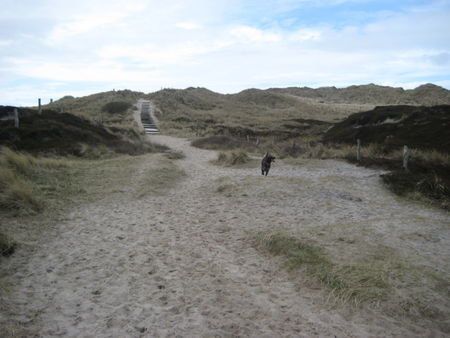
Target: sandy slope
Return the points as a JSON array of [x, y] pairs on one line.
[[183, 264]]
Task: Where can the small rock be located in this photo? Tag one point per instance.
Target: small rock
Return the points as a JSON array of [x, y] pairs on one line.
[[141, 329]]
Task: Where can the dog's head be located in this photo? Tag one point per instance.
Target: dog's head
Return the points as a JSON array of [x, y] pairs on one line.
[[269, 158]]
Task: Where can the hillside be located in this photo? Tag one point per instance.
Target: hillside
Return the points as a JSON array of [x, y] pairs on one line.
[[274, 111], [91, 106], [394, 126], [251, 112], [427, 94], [277, 112], [61, 134]]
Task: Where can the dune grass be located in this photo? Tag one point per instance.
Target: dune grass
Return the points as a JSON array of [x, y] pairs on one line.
[[24, 179], [232, 158], [37, 190], [163, 175], [364, 282], [381, 279]]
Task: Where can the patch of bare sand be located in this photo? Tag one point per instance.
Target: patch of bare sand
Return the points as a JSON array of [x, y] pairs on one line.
[[183, 263]]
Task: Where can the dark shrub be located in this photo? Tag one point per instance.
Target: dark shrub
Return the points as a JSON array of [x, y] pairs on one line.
[[116, 107]]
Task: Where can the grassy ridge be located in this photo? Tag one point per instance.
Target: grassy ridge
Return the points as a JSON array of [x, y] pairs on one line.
[[92, 107], [256, 113], [276, 111], [67, 134], [112, 109], [396, 126]]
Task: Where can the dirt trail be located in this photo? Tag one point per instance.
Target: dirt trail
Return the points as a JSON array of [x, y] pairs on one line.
[[183, 264]]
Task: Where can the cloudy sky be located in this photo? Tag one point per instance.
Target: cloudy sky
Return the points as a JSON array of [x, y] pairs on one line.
[[53, 48]]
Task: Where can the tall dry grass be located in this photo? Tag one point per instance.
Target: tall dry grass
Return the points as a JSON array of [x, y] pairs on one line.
[[23, 181], [232, 158], [22, 178], [16, 188]]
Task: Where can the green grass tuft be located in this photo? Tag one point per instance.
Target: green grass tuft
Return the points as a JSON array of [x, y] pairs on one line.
[[232, 158], [357, 283], [7, 245], [160, 178]]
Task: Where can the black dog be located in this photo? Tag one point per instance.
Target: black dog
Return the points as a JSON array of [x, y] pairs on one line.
[[265, 163]]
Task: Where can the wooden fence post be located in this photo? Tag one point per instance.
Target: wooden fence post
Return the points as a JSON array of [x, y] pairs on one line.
[[406, 152], [40, 108], [248, 139], [257, 141], [358, 150], [16, 118]]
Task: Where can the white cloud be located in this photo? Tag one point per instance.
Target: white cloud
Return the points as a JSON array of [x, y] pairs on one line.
[[4, 43], [79, 25], [305, 34], [187, 25], [247, 33], [154, 55], [102, 71], [147, 44], [85, 23]]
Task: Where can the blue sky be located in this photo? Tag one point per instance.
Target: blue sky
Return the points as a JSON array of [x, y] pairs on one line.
[[53, 48]]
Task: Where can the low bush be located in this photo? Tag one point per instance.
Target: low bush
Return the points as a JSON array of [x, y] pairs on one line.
[[418, 185], [232, 158], [116, 107], [7, 245]]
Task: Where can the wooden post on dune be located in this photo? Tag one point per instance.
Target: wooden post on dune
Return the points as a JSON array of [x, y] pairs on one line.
[[406, 152], [358, 150], [40, 107], [16, 118]]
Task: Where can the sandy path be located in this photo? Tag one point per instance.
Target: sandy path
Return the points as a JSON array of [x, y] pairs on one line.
[[183, 264]]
